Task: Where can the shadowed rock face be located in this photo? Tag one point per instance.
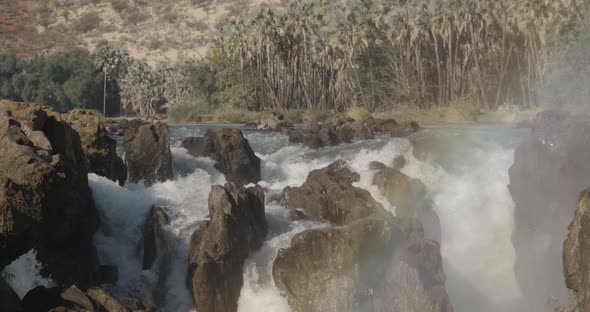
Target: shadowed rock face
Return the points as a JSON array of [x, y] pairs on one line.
[[362, 262], [9, 300], [99, 148], [232, 152], [344, 131], [576, 253], [45, 201], [152, 235], [409, 197], [219, 248], [550, 170], [147, 152]]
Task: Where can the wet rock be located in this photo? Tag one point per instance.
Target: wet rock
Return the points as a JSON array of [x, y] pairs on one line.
[[41, 298], [550, 170], [9, 300], [576, 253], [152, 235], [399, 162], [328, 195], [234, 156], [338, 268], [147, 152], [377, 165], [409, 197], [218, 249], [107, 302], [99, 148], [414, 281], [45, 201], [404, 129], [194, 146]]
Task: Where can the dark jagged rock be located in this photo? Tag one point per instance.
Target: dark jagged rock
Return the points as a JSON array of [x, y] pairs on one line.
[[576, 253], [45, 201], [344, 131], [337, 268], [152, 235], [234, 156], [550, 170], [9, 300], [147, 152], [328, 195], [376, 165], [399, 162], [219, 248], [194, 146], [72, 299], [99, 148]]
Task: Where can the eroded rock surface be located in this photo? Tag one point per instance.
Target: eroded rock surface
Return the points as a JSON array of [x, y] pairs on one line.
[[152, 235], [233, 155], [576, 253], [550, 170], [342, 267], [147, 152], [99, 148], [219, 248], [45, 201]]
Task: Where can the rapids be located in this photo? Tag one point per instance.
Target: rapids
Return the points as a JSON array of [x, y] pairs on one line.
[[467, 183]]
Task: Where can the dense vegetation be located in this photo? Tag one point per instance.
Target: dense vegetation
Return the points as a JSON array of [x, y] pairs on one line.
[[325, 55]]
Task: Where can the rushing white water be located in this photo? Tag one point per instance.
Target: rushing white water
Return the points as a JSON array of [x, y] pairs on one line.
[[24, 274], [469, 192]]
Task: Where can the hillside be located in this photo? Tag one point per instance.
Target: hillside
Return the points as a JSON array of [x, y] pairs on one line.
[[152, 30]]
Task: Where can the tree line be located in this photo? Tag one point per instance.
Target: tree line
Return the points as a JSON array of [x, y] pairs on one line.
[[324, 55]]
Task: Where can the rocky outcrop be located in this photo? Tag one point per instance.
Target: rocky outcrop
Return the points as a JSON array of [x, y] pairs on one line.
[[72, 299], [45, 201], [152, 235], [274, 122], [99, 148], [339, 268], [414, 281], [219, 248], [233, 155], [576, 253], [409, 197], [9, 300], [328, 195], [147, 152], [344, 131], [550, 170]]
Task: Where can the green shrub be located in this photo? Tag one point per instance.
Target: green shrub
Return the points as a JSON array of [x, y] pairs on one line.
[[189, 112], [358, 113]]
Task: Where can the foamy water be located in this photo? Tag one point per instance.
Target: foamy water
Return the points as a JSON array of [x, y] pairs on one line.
[[473, 204]]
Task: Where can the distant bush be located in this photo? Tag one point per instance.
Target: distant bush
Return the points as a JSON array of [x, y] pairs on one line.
[[358, 113], [189, 112], [234, 115], [87, 22]]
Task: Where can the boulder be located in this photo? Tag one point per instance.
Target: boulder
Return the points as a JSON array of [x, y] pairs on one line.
[[414, 281], [219, 248], [9, 300], [337, 268], [194, 146], [550, 170], [409, 197], [328, 195], [72, 299], [147, 152], [152, 235], [99, 148], [576, 253], [376, 165], [45, 201], [233, 155], [404, 129]]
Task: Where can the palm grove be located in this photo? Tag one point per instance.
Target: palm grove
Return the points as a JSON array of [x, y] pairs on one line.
[[324, 55]]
